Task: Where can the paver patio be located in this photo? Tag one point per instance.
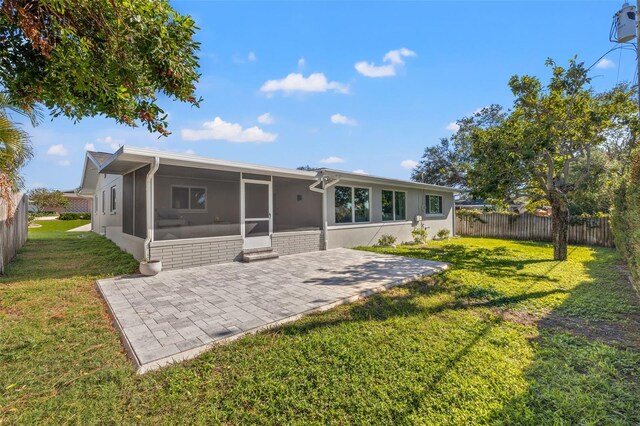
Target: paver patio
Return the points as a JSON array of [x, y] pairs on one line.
[[178, 314]]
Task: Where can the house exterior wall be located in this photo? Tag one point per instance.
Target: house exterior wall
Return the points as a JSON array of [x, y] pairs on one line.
[[286, 243], [108, 223], [189, 252], [177, 254], [367, 233], [76, 205]]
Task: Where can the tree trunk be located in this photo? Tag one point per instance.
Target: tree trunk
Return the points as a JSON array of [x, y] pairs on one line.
[[559, 225]]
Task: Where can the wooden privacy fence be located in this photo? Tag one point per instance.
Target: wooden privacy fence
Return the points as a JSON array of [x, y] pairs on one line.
[[14, 235], [593, 231]]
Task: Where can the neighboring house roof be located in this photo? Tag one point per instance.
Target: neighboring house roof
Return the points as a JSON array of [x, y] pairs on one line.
[[127, 159]]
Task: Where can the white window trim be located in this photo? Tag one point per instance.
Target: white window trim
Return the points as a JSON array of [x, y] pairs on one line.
[[190, 210], [97, 204], [427, 206], [353, 205], [103, 201], [112, 200], [393, 203]]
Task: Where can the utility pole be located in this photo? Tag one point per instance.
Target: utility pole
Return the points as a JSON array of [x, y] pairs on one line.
[[638, 53]]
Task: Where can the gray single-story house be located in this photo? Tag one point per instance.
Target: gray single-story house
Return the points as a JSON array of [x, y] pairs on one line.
[[187, 210]]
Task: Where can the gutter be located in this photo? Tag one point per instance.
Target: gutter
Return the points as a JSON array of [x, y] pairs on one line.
[[155, 164]]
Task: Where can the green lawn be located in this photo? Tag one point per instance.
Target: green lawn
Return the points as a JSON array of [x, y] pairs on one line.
[[48, 226], [507, 336]]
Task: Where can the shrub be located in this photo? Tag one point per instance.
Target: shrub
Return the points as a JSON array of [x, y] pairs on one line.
[[386, 240], [420, 234], [42, 214], [443, 234], [626, 217], [75, 216], [470, 215]]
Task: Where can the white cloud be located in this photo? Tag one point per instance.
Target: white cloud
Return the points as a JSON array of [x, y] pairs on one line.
[[393, 60], [343, 119], [360, 172], [218, 129], [266, 118], [301, 63], [453, 126], [64, 163], [332, 160], [605, 63], [111, 143], [408, 164], [189, 151], [296, 82], [89, 147], [240, 59], [58, 150]]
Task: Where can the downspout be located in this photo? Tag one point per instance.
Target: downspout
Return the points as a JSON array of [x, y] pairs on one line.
[[149, 205], [323, 191]]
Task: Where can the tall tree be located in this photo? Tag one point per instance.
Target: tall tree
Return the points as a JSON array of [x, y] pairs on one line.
[[82, 58], [43, 198], [533, 148], [441, 165]]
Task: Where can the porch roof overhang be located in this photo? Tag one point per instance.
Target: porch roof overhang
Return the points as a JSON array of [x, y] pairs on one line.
[[127, 159], [359, 177]]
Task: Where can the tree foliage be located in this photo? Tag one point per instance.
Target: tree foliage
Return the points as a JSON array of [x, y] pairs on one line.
[[533, 148], [82, 58], [441, 165], [15, 143], [43, 198]]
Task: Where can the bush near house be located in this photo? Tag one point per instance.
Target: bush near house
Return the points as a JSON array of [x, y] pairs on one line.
[[626, 217], [420, 235], [386, 240], [75, 216], [443, 234]]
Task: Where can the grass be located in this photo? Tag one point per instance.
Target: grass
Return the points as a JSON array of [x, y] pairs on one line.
[[505, 337], [48, 226]]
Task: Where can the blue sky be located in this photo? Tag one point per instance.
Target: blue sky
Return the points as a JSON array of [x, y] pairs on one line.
[[355, 86]]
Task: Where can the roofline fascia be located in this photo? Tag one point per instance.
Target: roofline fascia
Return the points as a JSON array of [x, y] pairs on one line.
[[188, 159], [356, 177]]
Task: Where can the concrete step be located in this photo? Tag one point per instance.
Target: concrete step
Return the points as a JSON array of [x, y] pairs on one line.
[[262, 254], [257, 250]]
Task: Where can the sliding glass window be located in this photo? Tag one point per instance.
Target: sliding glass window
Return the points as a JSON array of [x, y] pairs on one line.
[[344, 204], [394, 205], [361, 203], [352, 204], [387, 205]]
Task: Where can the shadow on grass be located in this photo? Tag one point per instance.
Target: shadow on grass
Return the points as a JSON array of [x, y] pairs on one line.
[[586, 367], [495, 262], [586, 362]]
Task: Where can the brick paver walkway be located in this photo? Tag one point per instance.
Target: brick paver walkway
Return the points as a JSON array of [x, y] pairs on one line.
[[178, 314]]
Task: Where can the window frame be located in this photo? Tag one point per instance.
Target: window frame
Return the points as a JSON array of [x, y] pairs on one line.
[[104, 201], [393, 205], [189, 209], [96, 203], [112, 200], [353, 204], [427, 207]]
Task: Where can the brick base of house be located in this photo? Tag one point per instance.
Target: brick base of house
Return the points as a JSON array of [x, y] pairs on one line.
[[297, 242]]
